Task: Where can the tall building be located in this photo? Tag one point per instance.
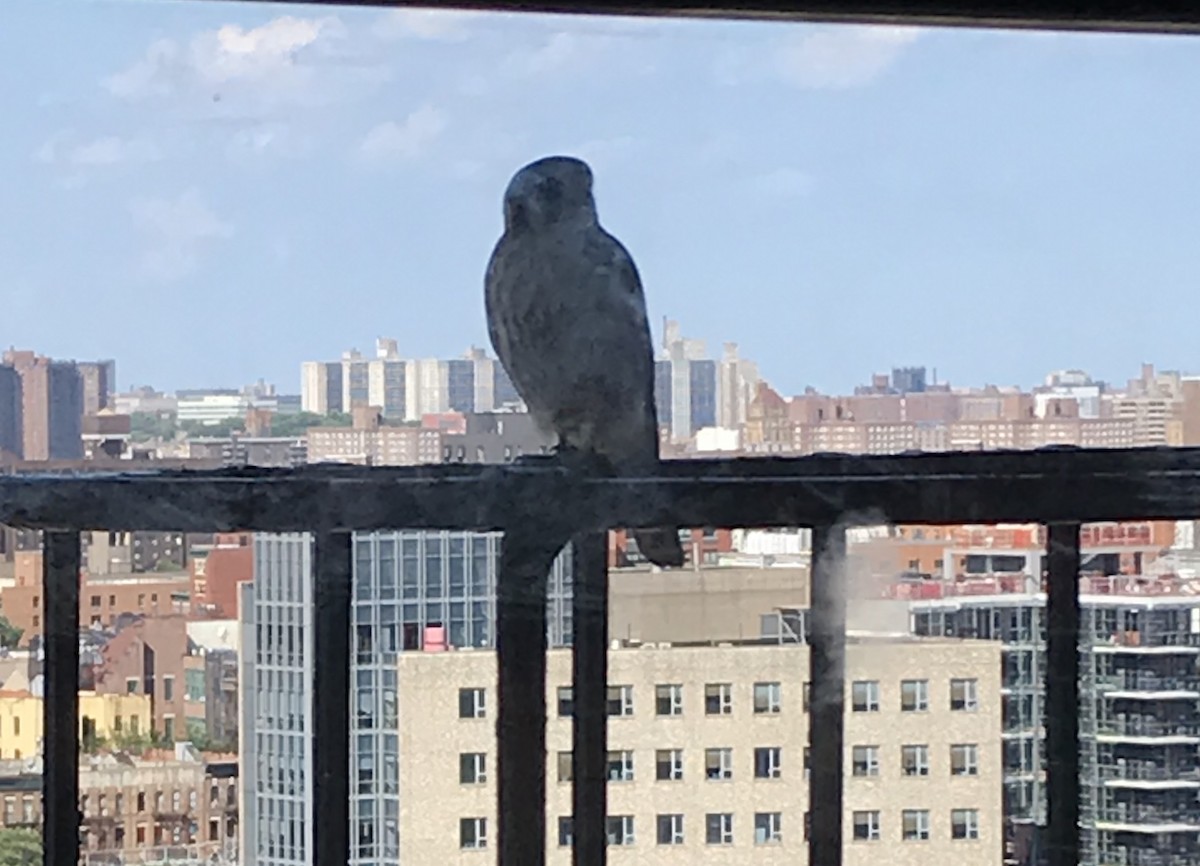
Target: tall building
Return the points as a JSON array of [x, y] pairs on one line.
[[411, 590], [1139, 719], [51, 406], [11, 426], [691, 391], [908, 380], [99, 384], [321, 387]]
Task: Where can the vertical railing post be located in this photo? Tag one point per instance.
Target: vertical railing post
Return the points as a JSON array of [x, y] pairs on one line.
[[589, 790], [525, 561], [1062, 694], [60, 705], [332, 570], [827, 672]]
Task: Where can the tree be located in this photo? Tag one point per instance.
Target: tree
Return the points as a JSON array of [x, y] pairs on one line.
[[10, 635], [20, 847], [298, 424], [152, 425]]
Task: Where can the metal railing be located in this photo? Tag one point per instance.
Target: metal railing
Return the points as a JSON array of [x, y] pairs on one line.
[[540, 506]]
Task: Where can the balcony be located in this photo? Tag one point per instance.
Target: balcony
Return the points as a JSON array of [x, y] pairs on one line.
[[1142, 685], [1139, 727], [1148, 775], [541, 505]]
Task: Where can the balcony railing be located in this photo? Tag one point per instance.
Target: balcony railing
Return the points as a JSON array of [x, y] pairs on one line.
[[540, 506]]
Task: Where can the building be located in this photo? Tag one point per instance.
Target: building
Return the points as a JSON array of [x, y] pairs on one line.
[[12, 428], [140, 808], [685, 385], [102, 717], [216, 570], [51, 406], [372, 443], [707, 760], [104, 599], [410, 588], [241, 450], [156, 658], [495, 437], [321, 387], [210, 407], [99, 384], [1139, 723]]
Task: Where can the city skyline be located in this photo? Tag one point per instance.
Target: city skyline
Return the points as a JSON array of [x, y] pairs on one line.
[[289, 175]]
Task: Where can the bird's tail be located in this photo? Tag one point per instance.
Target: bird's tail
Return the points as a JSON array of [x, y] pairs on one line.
[[660, 546]]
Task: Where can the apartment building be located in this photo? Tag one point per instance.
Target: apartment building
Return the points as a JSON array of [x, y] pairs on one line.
[[1139, 719], [707, 754], [101, 717], [175, 805]]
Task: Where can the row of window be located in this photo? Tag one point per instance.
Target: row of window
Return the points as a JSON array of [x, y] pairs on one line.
[[718, 763], [768, 698], [915, 826]]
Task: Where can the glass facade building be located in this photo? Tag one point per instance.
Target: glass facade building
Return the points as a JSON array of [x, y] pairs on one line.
[[408, 587]]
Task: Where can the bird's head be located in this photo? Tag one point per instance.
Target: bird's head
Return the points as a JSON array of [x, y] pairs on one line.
[[552, 190]]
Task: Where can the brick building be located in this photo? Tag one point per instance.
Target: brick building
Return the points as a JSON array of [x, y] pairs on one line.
[[155, 657]]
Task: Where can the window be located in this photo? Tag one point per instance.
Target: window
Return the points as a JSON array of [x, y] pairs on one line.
[[620, 829], [472, 768], [472, 703], [668, 765], [669, 829], [963, 695], [16, 725], [620, 700], [767, 698], [866, 760], [865, 696], [566, 702], [914, 760], [566, 832], [767, 828], [915, 824], [866, 826], [768, 762], [472, 833], [566, 767], [718, 828], [718, 764], [964, 760], [807, 695], [914, 696], [131, 685], [168, 688], [620, 766], [718, 699], [668, 700], [964, 824]]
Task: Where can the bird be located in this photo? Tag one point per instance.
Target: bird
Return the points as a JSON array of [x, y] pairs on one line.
[[566, 314]]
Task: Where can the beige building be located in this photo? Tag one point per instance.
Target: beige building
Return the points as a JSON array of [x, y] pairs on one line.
[[707, 754]]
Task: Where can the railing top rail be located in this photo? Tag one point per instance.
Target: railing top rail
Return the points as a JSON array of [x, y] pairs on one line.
[[1167, 16], [1047, 485]]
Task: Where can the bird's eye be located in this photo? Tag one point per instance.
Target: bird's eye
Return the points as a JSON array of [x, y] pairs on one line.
[[552, 190]]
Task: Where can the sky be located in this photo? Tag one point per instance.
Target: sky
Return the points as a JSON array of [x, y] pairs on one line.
[[213, 192]]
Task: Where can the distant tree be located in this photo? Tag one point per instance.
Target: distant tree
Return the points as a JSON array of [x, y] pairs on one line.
[[20, 847], [10, 635], [152, 425]]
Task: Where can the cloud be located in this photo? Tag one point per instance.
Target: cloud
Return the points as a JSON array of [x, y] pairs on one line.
[[409, 139], [176, 232], [843, 57], [432, 25], [277, 62], [106, 150], [266, 140], [836, 57]]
